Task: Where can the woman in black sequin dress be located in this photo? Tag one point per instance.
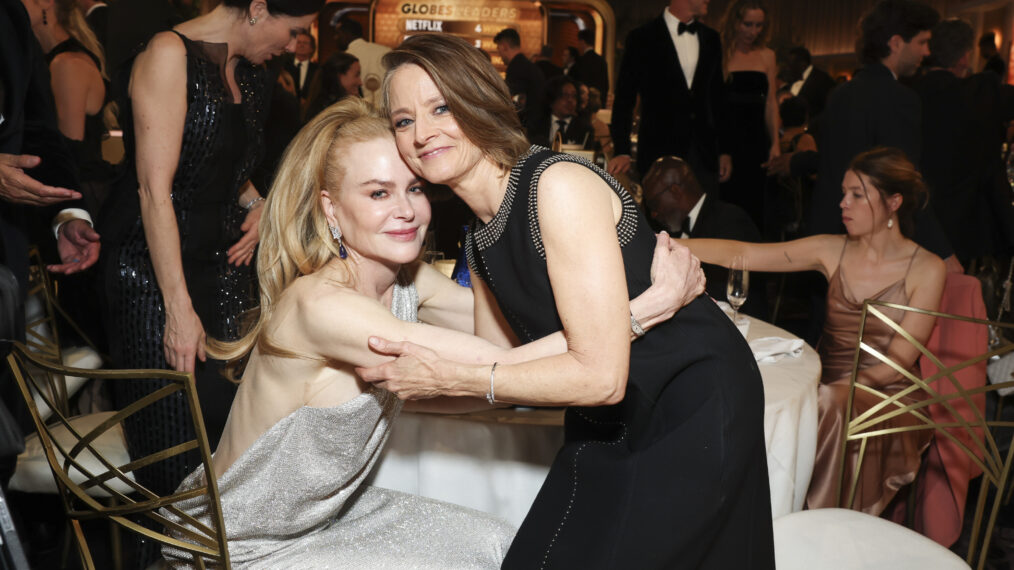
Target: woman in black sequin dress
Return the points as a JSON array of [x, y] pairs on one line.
[[663, 464], [181, 229]]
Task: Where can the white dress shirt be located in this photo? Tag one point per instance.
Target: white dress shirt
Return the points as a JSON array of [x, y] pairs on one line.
[[303, 67], [798, 85], [688, 46], [692, 216], [554, 126]]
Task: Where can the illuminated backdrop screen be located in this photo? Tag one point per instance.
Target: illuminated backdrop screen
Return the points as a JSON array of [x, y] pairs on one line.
[[474, 20]]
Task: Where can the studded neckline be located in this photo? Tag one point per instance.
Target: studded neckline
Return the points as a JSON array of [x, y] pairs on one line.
[[489, 233]]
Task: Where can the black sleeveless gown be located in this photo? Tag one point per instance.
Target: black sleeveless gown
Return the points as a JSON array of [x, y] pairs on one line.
[[222, 143], [746, 100], [94, 171], [675, 476]]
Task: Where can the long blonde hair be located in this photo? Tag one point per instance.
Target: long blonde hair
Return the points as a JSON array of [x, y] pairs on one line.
[[295, 239], [70, 18], [734, 14]]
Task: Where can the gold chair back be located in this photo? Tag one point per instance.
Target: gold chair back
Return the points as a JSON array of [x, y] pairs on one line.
[[207, 544], [967, 427]]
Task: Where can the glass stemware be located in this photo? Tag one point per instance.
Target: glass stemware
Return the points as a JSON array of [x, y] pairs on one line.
[[738, 286]]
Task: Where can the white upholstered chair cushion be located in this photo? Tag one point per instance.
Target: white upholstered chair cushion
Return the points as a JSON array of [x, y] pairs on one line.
[[843, 539], [33, 474]]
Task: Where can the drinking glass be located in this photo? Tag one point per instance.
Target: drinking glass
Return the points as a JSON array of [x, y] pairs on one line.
[[738, 285]]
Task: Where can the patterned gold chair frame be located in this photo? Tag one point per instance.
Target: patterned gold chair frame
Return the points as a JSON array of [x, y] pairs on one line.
[[42, 337], [83, 473], [969, 431]]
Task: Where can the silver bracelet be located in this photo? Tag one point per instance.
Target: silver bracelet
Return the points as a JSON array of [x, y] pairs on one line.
[[491, 396], [636, 327], [249, 205]]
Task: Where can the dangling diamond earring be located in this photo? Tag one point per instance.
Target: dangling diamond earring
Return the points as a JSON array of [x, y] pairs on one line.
[[45, 21], [890, 223], [337, 235]]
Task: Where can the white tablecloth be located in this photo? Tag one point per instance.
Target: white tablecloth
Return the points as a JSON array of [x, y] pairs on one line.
[[496, 461]]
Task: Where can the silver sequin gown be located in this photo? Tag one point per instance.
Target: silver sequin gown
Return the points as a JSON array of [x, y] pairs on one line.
[[295, 498]]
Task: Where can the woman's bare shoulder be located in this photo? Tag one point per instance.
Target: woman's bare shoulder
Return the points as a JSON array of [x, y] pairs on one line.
[[571, 177], [928, 266], [165, 44], [310, 296]]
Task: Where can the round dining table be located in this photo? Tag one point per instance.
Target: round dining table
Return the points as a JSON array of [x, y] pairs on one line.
[[496, 460]]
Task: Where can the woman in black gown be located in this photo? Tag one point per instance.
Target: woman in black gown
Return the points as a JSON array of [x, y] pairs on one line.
[[78, 77], [180, 231], [751, 109], [664, 463]]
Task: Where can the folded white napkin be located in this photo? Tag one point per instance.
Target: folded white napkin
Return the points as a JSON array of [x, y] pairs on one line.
[[773, 348]]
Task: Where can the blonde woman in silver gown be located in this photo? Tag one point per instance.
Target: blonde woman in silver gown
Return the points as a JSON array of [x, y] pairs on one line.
[[341, 234]]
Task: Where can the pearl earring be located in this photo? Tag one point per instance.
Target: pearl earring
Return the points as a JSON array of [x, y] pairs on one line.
[[890, 223]]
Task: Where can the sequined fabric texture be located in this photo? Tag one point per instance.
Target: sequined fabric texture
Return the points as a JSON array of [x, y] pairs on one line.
[[221, 144], [295, 498]]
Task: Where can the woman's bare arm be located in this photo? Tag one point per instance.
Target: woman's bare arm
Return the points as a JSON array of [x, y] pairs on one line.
[[676, 279], [158, 96], [71, 77], [819, 253], [590, 289], [927, 279]]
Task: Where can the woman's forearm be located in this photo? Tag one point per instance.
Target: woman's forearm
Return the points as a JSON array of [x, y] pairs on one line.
[[715, 251], [162, 235], [247, 193]]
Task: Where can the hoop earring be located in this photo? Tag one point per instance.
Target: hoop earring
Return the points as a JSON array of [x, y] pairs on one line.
[[45, 20], [253, 21], [337, 235]]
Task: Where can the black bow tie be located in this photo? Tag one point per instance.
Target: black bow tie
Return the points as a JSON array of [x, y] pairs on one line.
[[690, 28], [685, 226]]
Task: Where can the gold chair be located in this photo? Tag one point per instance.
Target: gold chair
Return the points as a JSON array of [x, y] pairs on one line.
[[83, 472], [42, 336], [951, 410]]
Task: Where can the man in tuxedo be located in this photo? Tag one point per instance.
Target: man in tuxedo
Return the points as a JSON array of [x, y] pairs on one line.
[[958, 164], [545, 62], [992, 59], [590, 67], [874, 109], [524, 79], [301, 68], [562, 117], [674, 63], [810, 84], [678, 205], [36, 170]]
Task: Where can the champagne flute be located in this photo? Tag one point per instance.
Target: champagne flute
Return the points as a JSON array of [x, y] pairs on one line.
[[738, 285]]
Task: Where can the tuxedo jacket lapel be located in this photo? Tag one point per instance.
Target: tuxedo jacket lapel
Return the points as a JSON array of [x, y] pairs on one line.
[[669, 49], [705, 55]]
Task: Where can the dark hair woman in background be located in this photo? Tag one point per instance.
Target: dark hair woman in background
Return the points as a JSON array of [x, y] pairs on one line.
[[181, 228], [875, 259], [336, 79]]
